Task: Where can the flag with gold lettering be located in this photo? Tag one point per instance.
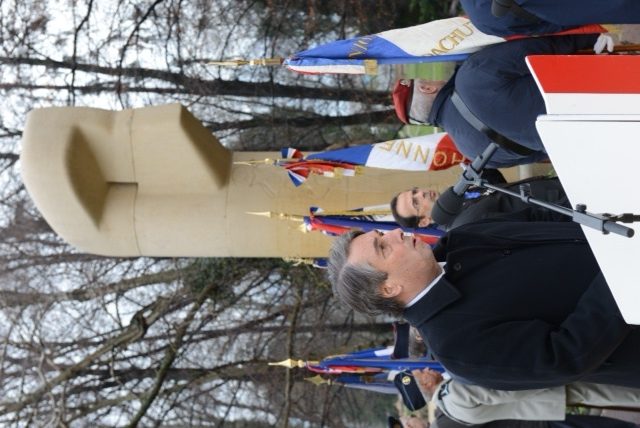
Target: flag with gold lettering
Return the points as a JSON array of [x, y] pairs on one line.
[[451, 39], [424, 153], [431, 152]]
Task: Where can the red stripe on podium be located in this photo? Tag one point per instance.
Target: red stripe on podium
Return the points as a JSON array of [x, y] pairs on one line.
[[589, 74]]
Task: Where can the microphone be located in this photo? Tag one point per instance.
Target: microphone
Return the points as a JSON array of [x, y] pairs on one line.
[[449, 204]]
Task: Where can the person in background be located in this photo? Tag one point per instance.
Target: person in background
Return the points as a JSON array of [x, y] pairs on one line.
[[572, 421], [472, 404], [539, 17], [497, 87], [412, 208]]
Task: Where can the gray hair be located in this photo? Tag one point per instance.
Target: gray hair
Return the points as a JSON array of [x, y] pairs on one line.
[[358, 285]]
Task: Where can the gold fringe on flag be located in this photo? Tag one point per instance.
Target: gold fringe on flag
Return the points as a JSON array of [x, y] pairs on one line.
[[297, 261]]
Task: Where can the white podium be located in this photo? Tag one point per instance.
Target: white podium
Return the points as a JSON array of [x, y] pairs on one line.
[[592, 134]]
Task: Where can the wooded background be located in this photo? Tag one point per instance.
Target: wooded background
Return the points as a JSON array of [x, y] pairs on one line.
[[94, 341]]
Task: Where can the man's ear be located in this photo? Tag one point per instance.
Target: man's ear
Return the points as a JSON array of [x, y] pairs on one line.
[[390, 289], [424, 222]]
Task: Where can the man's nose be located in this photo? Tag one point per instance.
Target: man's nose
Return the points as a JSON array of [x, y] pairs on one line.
[[396, 235]]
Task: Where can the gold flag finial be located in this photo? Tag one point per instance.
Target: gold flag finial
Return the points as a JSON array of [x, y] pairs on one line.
[[257, 162], [370, 67], [279, 216], [318, 380], [267, 214], [289, 363]]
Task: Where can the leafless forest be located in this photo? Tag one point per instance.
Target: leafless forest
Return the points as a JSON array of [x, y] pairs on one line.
[[95, 341]]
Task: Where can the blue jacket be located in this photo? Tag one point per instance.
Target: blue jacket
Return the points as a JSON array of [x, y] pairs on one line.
[[498, 88], [555, 15]]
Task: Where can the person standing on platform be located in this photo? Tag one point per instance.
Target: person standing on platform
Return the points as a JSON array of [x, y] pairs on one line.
[[539, 17], [496, 86]]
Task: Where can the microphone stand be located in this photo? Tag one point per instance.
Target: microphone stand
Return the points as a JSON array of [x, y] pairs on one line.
[[605, 223], [473, 173]]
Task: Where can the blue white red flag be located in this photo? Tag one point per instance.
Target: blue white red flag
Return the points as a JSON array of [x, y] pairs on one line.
[[365, 219], [386, 352], [449, 39], [373, 369], [452, 39], [425, 153], [353, 364], [298, 168]]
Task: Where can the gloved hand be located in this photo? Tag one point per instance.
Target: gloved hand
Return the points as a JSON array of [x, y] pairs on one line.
[[604, 41]]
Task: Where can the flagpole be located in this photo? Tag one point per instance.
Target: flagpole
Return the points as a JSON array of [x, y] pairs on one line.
[[280, 216], [266, 62], [352, 213], [291, 363], [266, 161]]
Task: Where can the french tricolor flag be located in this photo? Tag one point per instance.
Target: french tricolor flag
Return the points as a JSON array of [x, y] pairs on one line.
[[425, 153], [449, 39], [452, 39]]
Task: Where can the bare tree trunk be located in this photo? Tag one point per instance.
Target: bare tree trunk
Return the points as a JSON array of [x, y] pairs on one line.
[[11, 298], [198, 86], [371, 117]]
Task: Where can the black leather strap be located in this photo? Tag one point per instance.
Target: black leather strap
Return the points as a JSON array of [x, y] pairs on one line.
[[401, 340], [499, 139], [500, 8], [408, 388]]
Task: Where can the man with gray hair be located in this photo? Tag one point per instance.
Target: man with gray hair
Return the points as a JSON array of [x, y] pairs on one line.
[[504, 305]]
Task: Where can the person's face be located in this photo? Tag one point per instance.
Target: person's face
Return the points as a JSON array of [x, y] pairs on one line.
[[413, 422], [428, 380], [428, 87], [408, 262], [417, 202], [424, 92]]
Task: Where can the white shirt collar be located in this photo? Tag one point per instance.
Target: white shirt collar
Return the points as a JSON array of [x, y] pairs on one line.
[[428, 287]]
